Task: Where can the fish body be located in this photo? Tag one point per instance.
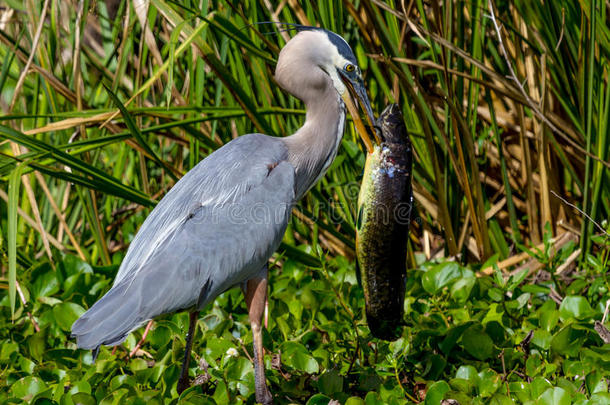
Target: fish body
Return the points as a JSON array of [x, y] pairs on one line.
[[384, 213]]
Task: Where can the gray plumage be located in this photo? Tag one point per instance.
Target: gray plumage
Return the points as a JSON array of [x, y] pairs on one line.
[[218, 226], [214, 229]]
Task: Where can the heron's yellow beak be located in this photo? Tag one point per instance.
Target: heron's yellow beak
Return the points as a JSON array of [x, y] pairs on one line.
[[357, 91], [351, 108]]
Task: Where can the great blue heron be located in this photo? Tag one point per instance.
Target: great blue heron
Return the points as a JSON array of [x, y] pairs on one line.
[[218, 226]]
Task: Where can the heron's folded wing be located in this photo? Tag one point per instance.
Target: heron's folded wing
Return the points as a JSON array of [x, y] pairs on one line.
[[220, 179], [212, 247]]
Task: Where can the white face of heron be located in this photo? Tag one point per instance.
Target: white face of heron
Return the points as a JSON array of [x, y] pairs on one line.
[[324, 49], [340, 60]]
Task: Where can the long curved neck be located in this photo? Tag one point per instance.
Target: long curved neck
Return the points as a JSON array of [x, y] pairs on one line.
[[314, 146]]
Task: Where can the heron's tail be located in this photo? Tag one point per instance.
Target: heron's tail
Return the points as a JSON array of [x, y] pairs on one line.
[[108, 321]]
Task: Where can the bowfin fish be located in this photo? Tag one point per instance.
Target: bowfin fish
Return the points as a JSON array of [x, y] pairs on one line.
[[384, 213]]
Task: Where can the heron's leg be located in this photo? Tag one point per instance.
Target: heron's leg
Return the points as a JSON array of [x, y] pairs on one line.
[[256, 294], [183, 382], [141, 342]]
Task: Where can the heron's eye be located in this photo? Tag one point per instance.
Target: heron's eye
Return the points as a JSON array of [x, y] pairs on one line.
[[349, 67]]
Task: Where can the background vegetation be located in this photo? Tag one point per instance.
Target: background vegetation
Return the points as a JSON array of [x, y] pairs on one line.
[[107, 103]]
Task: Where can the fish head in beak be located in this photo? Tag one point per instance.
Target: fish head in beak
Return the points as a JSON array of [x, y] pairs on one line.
[[356, 94]]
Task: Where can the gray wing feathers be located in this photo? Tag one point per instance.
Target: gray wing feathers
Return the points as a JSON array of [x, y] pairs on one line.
[[219, 179], [214, 229]]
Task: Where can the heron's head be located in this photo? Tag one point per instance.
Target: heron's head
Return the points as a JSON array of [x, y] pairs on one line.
[[314, 55]]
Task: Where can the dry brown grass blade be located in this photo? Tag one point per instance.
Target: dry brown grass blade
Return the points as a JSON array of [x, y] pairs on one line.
[[69, 123], [557, 242], [34, 224], [559, 126], [60, 215], [498, 88], [527, 179], [426, 200], [30, 58], [141, 10], [329, 240], [537, 97]]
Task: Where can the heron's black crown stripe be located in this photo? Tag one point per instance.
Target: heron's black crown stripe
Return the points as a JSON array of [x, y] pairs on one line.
[[342, 46], [338, 41]]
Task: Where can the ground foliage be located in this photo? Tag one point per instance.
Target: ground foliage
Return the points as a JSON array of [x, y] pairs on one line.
[[507, 105], [473, 339]]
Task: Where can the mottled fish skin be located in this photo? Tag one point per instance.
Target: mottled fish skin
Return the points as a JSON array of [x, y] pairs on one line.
[[384, 213]]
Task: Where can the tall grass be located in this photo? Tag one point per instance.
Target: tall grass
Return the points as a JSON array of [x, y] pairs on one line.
[[112, 101]]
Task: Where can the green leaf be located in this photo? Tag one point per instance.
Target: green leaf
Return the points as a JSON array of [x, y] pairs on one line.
[[477, 343], [575, 307], [436, 393], [45, 285], [27, 387], [542, 339], [440, 275], [538, 386], [596, 382], [373, 398], [330, 382], [568, 340], [297, 356], [7, 349], [460, 290], [554, 396], [66, 313], [318, 399], [239, 368], [500, 399], [489, 382], [160, 336], [601, 398], [468, 373]]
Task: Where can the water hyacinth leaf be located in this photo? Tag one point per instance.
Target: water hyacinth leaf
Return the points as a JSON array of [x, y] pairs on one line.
[[45, 283], [66, 313], [27, 387], [575, 307], [468, 373], [372, 398], [436, 393], [555, 396], [239, 369], [477, 343], [160, 336], [297, 356], [520, 389], [595, 382], [489, 382], [501, 399], [548, 315], [354, 401], [600, 398], [538, 386], [318, 399], [330, 382], [460, 290], [440, 275], [542, 339]]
